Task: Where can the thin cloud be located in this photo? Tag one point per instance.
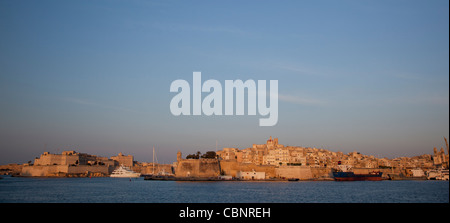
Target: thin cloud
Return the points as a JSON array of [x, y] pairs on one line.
[[98, 105], [199, 28], [303, 70], [299, 100], [297, 70], [420, 100], [407, 76]]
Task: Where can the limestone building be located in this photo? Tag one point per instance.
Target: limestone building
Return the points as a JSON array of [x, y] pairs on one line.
[[71, 158], [440, 160], [69, 164], [251, 175], [127, 161], [270, 153]]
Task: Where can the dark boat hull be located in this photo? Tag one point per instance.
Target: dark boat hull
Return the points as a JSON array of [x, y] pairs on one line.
[[402, 177], [350, 176]]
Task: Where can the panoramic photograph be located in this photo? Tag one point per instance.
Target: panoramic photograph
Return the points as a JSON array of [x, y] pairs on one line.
[[224, 109]]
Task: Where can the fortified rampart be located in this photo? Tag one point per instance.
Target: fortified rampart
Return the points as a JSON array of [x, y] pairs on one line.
[[232, 167], [69, 163], [65, 170], [300, 172], [72, 158], [43, 171], [124, 160], [197, 168], [66, 158], [11, 169], [321, 172], [303, 172], [158, 168]]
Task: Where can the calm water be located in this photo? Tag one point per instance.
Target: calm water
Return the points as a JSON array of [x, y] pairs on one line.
[[15, 189]]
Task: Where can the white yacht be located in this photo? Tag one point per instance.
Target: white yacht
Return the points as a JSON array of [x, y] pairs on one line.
[[124, 172]]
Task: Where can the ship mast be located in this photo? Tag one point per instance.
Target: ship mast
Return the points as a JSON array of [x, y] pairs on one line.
[[153, 169]]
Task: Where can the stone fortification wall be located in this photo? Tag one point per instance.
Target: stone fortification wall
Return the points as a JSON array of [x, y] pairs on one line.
[[93, 169], [65, 170], [231, 167], [300, 172], [148, 169], [124, 160], [43, 171], [74, 158], [59, 159], [11, 169], [321, 172], [66, 158], [197, 168]]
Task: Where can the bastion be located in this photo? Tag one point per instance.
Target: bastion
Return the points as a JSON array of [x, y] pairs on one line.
[[197, 167]]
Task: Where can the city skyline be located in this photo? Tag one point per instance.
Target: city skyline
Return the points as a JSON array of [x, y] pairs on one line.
[[94, 77]]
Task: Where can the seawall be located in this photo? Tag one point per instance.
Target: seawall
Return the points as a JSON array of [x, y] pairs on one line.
[[65, 171]]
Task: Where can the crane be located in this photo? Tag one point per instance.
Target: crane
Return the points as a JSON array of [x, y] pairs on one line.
[[446, 143]]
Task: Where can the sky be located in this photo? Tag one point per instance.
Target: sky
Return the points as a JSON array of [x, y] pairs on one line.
[[95, 76]]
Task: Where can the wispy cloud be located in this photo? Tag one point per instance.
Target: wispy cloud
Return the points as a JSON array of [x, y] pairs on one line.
[[300, 69], [299, 100], [420, 100], [90, 103], [407, 76], [201, 28]]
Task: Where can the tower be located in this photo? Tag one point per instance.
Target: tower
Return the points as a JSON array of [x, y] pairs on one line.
[[178, 156]]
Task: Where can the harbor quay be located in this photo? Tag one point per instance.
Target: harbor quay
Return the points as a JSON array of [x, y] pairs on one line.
[[261, 162]]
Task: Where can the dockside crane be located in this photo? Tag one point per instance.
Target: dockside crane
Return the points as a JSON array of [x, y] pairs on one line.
[[446, 144]]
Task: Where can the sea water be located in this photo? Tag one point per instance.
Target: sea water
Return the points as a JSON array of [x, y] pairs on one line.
[[124, 190]]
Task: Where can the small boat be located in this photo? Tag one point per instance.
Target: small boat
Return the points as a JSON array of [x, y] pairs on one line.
[[124, 172], [293, 179], [401, 176], [159, 177]]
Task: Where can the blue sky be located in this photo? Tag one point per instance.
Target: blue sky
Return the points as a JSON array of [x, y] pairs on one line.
[[94, 76]]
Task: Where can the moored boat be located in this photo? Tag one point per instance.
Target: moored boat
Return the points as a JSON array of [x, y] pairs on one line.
[[351, 176], [124, 172], [396, 176], [344, 173]]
